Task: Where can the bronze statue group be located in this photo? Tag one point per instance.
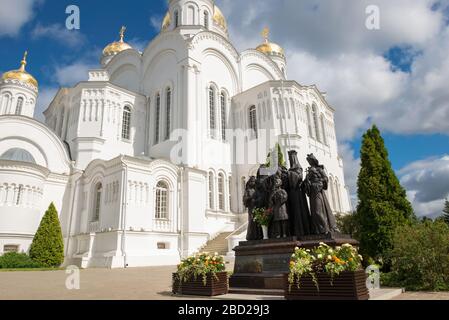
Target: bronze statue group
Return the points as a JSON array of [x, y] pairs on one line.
[[285, 192]]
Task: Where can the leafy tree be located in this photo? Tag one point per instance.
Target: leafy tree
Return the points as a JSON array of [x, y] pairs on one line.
[[420, 257], [48, 246], [446, 212], [281, 158], [383, 204], [347, 223]]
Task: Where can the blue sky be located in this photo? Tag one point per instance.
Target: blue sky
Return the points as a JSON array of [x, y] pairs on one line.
[[396, 77]]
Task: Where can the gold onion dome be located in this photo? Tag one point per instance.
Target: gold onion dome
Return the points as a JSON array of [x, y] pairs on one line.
[[117, 46], [270, 48], [219, 19], [21, 75]]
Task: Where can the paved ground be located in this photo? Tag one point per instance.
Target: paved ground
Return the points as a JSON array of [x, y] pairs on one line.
[[129, 284]]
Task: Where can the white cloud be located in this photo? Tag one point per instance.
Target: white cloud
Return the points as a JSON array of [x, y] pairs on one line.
[[72, 74], [14, 14], [70, 38], [156, 22], [427, 182]]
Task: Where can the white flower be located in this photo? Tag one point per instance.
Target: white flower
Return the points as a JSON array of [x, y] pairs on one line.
[[331, 251], [296, 249], [216, 254], [329, 257], [320, 256], [308, 250], [346, 245], [338, 248], [293, 255]]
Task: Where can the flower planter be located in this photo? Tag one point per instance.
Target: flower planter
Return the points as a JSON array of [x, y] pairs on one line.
[[346, 286], [215, 286]]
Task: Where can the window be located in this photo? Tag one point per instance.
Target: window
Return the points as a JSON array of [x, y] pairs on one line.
[[212, 123], [315, 123], [221, 196], [162, 201], [168, 119], [176, 19], [97, 202], [253, 120], [126, 123], [338, 195], [157, 119], [323, 129], [19, 106], [309, 122], [10, 248], [211, 190], [223, 116], [206, 19]]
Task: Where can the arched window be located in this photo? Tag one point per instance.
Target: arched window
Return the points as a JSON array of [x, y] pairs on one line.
[[221, 192], [157, 119], [323, 129], [338, 195], [211, 190], [223, 115], [162, 191], [97, 202], [316, 123], [206, 19], [212, 116], [19, 106], [332, 193], [168, 114], [309, 122], [176, 18], [126, 123], [253, 121]]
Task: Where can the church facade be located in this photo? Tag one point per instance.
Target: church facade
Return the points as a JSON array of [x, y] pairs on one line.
[[146, 160]]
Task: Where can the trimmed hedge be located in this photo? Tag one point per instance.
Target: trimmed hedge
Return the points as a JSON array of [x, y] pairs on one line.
[[13, 260], [48, 247]]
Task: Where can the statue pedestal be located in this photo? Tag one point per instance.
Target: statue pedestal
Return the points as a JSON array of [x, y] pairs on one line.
[[261, 265]]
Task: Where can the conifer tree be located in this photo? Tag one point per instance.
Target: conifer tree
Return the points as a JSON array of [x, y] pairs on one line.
[[383, 204], [48, 247], [446, 212]]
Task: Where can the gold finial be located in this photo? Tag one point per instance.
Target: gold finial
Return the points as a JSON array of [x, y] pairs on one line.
[[122, 33], [266, 33], [23, 63]]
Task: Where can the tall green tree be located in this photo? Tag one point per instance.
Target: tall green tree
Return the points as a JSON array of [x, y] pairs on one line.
[[383, 204], [446, 212], [48, 246]]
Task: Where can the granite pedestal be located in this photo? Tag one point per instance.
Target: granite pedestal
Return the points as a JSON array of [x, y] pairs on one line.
[[261, 265]]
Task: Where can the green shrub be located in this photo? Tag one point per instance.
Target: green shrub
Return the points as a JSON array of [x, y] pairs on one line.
[[13, 260], [420, 257], [48, 246]]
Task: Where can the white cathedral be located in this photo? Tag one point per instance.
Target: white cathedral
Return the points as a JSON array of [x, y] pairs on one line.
[[141, 159]]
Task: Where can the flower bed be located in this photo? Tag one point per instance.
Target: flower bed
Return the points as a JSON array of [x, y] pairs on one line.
[[326, 273], [202, 275]]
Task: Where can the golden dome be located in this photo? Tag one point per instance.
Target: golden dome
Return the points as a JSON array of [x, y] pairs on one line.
[[20, 74], [219, 18], [270, 48], [166, 22], [117, 46]]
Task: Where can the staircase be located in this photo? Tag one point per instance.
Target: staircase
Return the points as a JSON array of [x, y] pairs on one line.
[[219, 244]]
